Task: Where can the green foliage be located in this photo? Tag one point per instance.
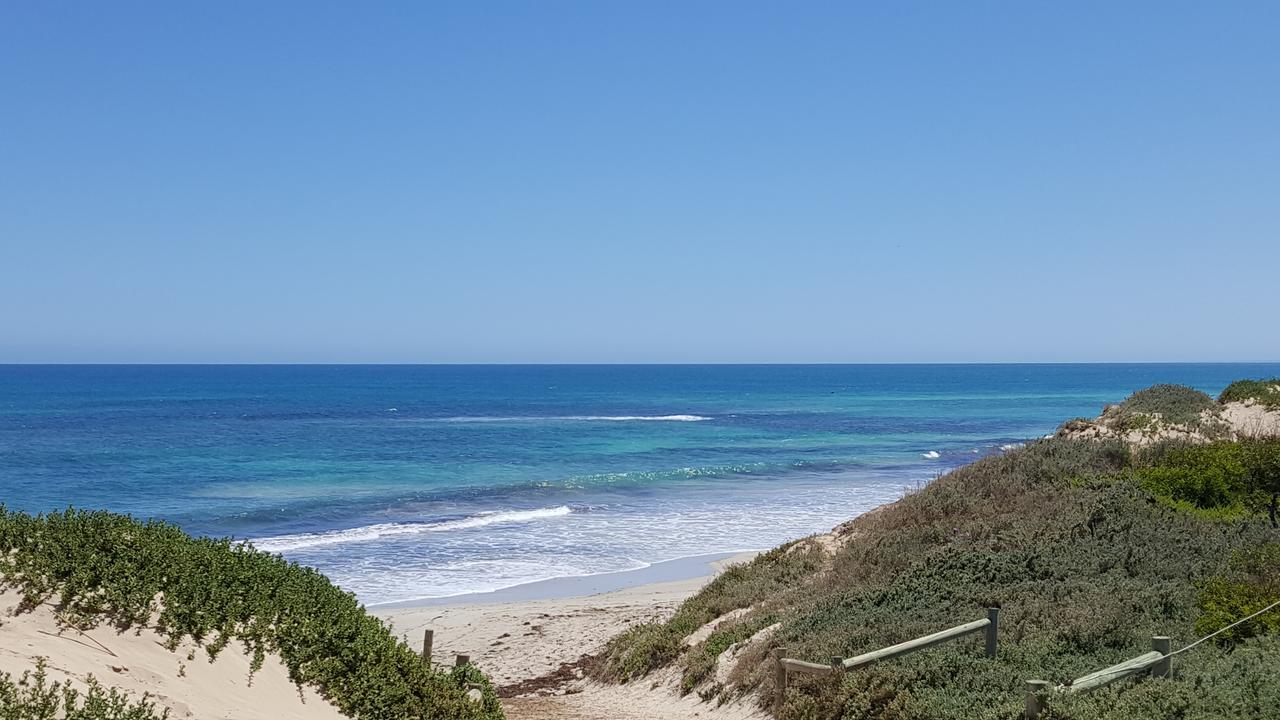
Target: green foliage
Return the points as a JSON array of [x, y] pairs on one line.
[[1085, 565], [33, 697], [648, 646], [1251, 584], [1174, 404], [101, 566], [1203, 477], [1263, 392], [1223, 479], [701, 661]]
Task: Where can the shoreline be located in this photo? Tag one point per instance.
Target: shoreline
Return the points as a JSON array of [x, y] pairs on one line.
[[689, 567], [533, 639]]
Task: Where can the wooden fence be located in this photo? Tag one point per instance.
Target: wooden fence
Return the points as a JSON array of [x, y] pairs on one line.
[[1157, 661], [784, 666]]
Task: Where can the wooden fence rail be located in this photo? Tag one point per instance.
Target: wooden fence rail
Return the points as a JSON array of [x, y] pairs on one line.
[[784, 666], [1157, 661]]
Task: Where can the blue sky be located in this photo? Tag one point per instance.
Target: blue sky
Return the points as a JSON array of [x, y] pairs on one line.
[[639, 182]]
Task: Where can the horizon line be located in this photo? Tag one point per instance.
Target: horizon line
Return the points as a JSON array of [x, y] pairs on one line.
[[636, 364]]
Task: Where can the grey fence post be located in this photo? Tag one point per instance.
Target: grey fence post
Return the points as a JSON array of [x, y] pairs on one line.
[[461, 660], [428, 638], [1035, 701], [993, 630], [1164, 668], [779, 680]]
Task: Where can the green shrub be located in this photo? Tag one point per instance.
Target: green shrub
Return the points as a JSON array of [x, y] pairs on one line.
[[1204, 477], [1172, 404], [1263, 392], [100, 566], [1252, 583], [1085, 565], [648, 646], [33, 697], [1223, 479]]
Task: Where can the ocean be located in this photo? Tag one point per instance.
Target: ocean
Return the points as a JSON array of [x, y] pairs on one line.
[[405, 482]]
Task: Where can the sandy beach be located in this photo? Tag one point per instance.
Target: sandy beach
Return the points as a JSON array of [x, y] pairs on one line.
[[532, 640]]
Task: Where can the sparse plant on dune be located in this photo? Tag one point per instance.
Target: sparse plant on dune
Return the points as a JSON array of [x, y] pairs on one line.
[[100, 567], [1262, 392], [32, 696]]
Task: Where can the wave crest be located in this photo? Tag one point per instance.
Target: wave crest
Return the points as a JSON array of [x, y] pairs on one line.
[[573, 418], [366, 533]]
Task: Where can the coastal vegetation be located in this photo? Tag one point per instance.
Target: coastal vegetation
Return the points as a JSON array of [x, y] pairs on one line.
[[32, 696], [1089, 548], [1170, 404], [101, 568], [1262, 392]]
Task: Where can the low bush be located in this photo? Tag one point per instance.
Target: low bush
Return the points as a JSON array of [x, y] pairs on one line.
[[34, 697], [103, 567], [1263, 392], [1202, 477], [1222, 479], [1166, 405], [648, 646], [1085, 563], [1251, 584]]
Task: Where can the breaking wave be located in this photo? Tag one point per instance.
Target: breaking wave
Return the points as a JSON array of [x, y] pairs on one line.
[[282, 543], [574, 418]]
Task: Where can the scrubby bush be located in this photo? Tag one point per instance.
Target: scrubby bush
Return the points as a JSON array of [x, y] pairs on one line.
[[103, 567], [1171, 404], [1203, 477], [1263, 392], [1084, 562], [648, 646], [1222, 479], [33, 697], [1251, 584]]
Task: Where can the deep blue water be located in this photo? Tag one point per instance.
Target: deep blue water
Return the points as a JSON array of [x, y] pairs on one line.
[[403, 482]]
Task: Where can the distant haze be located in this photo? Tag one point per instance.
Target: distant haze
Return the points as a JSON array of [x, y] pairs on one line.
[[639, 182]]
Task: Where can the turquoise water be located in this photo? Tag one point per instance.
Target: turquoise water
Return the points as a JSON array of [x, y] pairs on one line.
[[404, 482]]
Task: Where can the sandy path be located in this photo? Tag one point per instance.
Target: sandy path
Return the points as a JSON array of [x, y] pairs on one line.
[[520, 644]]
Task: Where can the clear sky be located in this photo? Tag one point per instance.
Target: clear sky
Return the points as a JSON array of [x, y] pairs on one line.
[[639, 181]]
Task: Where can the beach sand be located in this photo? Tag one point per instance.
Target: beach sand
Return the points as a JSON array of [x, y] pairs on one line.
[[137, 662], [532, 640]]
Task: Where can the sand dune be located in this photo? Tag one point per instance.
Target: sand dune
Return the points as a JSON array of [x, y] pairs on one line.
[[137, 662]]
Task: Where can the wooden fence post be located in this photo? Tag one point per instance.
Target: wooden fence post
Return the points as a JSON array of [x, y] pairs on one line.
[[1164, 668], [428, 638], [1035, 688], [779, 680], [993, 630], [462, 660]]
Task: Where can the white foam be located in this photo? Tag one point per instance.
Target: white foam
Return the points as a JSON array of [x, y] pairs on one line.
[[576, 418], [1011, 446], [379, 531], [931, 455]]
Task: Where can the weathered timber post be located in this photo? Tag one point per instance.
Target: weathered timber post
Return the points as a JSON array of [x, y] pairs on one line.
[[461, 660], [993, 629], [837, 664], [428, 639], [1163, 668], [1035, 700], [779, 680]]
